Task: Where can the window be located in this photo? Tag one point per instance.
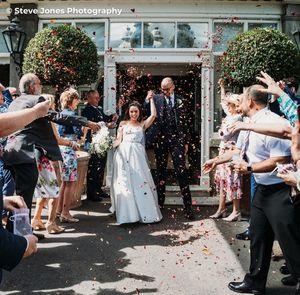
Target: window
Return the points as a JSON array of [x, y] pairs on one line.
[[54, 24], [96, 31], [159, 35], [252, 26], [3, 48], [125, 35], [192, 35], [223, 33]]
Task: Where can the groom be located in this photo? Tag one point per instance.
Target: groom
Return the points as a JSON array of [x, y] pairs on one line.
[[170, 134]]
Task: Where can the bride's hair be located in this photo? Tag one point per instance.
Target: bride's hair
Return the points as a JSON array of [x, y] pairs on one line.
[[137, 105]]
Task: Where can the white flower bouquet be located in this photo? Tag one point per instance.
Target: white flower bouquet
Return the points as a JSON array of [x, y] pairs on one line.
[[102, 141]]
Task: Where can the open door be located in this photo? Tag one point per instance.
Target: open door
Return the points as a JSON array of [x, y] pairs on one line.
[[133, 82]]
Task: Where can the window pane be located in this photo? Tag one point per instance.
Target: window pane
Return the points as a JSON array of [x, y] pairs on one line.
[[252, 26], [54, 25], [223, 33], [3, 48], [125, 35], [192, 35], [95, 31], [158, 35]]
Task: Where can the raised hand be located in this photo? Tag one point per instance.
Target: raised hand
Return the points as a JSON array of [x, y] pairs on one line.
[[221, 82], [273, 87], [150, 95], [208, 166]]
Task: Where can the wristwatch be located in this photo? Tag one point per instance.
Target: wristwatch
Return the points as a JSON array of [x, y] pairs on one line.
[[249, 168]]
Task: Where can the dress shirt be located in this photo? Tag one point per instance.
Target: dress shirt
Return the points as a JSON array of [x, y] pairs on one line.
[[262, 147], [172, 97]]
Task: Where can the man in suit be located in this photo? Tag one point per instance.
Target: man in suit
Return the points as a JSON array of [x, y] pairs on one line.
[[93, 112], [19, 151], [170, 134]]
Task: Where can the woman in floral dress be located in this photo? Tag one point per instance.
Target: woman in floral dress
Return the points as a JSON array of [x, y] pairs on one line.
[[227, 181], [69, 100]]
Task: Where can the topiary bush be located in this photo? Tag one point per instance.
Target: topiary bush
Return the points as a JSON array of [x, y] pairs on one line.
[[61, 56], [259, 50]]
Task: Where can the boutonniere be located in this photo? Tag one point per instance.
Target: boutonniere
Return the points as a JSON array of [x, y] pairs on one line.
[[179, 103]]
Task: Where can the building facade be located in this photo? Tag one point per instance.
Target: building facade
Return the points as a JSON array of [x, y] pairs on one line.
[[156, 38]]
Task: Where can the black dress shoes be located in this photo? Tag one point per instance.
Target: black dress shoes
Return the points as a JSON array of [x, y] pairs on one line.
[[189, 214], [289, 281], [104, 195], [284, 269], [243, 287], [244, 236]]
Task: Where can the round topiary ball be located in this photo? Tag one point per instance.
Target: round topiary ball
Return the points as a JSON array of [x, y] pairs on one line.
[[61, 56], [259, 50]]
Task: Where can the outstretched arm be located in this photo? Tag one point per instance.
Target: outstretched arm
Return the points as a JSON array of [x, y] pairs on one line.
[[280, 130], [148, 122], [224, 158], [287, 106], [14, 121]]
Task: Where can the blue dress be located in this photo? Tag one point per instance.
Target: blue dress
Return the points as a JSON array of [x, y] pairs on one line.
[[72, 133]]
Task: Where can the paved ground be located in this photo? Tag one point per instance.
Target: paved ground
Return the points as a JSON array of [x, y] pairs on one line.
[[174, 257]]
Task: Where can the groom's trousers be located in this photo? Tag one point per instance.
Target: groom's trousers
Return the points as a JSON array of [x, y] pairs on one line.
[[273, 215], [176, 149]]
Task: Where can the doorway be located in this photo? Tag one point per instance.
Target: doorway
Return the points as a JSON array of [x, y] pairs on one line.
[[133, 82]]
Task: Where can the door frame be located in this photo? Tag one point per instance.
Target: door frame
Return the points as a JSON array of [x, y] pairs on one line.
[[205, 58]]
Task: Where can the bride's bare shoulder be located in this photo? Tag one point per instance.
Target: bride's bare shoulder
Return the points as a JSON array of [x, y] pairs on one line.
[[123, 123]]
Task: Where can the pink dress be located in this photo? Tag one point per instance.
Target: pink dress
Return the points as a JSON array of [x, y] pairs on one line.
[[227, 180]]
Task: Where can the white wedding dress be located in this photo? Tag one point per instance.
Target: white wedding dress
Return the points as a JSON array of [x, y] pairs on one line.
[[133, 192]]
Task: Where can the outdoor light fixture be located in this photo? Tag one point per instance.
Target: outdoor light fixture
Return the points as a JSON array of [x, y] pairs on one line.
[[296, 36], [14, 37]]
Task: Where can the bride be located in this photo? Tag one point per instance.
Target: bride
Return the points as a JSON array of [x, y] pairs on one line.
[[133, 192]]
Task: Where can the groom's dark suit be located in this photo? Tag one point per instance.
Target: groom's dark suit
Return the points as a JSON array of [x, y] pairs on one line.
[[169, 134]]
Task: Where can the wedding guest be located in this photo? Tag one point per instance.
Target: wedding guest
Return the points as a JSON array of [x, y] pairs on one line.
[[228, 182], [8, 188], [19, 151], [96, 167], [47, 188], [272, 213], [12, 247], [133, 192], [69, 101]]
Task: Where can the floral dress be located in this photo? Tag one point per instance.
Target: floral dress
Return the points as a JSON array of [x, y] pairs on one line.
[[69, 165], [47, 185], [227, 180]]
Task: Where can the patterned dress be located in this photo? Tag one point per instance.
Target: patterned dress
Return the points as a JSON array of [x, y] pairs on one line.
[[69, 165], [47, 185], [227, 180]]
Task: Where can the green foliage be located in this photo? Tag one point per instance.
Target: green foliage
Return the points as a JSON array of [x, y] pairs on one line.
[[61, 56], [259, 50]]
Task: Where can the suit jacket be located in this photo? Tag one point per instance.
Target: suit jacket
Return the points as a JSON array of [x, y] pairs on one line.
[[155, 132], [94, 114], [12, 247], [38, 134]]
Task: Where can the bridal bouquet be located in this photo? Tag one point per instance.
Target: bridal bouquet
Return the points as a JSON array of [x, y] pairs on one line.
[[102, 141]]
